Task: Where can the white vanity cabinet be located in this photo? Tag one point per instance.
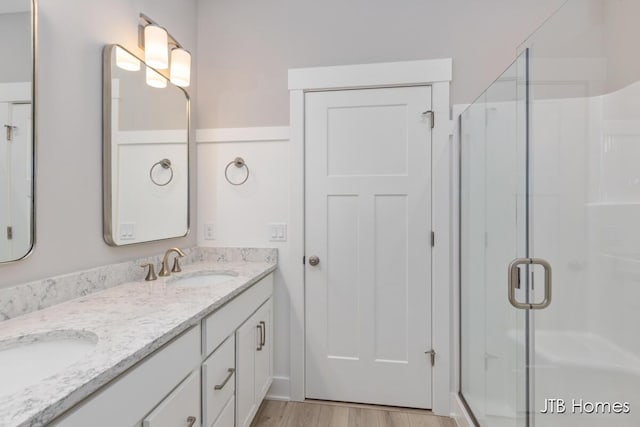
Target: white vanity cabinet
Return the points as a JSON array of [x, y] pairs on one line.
[[180, 408], [227, 328], [214, 375], [254, 351], [218, 381], [227, 417], [129, 398]]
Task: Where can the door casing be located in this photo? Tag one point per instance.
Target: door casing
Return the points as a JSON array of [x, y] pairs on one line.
[[436, 73]]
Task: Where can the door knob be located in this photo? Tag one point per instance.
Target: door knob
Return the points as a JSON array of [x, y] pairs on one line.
[[314, 260]]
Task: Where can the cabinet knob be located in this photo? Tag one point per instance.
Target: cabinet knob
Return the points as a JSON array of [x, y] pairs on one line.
[[314, 260]]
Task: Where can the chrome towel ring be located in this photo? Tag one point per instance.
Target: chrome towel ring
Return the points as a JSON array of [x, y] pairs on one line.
[[166, 164], [239, 163]]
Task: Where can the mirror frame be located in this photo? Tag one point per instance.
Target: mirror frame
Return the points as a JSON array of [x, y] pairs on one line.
[[107, 158], [34, 127]]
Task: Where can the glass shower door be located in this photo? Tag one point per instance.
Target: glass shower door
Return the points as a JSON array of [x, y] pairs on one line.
[[584, 210], [493, 184]]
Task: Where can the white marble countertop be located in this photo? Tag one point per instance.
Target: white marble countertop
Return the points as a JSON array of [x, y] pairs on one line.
[[130, 321]]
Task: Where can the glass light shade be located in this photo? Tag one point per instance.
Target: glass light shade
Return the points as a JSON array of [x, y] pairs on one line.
[[156, 48], [155, 79], [180, 67], [126, 61]]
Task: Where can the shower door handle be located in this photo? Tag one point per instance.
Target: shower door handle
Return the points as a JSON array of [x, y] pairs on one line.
[[514, 275]]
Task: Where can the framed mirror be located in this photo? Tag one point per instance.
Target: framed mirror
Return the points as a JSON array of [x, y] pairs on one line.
[[145, 151], [17, 128]]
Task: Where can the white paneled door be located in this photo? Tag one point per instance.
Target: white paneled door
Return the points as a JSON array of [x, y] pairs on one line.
[[368, 224]]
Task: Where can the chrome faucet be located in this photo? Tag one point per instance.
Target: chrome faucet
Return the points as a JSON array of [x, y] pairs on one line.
[[164, 271]]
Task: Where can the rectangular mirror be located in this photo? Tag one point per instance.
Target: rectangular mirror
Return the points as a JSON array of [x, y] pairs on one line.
[[145, 150], [17, 100]]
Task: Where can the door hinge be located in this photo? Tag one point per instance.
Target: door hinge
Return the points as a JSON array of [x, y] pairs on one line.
[[432, 116], [9, 232], [10, 129], [433, 239], [304, 260], [432, 354]]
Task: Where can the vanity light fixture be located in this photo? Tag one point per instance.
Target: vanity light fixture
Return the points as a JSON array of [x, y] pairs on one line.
[[126, 61], [155, 79], [156, 50], [180, 67], [156, 42]]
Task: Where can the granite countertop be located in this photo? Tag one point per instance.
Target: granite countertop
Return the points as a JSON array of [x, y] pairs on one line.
[[129, 321]]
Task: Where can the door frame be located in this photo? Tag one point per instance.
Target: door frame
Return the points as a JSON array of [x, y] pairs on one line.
[[24, 93], [436, 73]]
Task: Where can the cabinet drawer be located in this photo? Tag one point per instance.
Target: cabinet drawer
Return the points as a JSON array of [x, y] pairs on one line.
[[218, 373], [227, 416], [180, 408], [219, 325]]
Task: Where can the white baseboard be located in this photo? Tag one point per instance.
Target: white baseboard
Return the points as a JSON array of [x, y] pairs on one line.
[[279, 389], [459, 412]]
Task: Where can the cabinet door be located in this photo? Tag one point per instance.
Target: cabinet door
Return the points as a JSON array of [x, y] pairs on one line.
[[247, 341], [264, 352]]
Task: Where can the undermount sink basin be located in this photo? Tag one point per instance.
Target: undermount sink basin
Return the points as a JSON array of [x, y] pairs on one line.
[[204, 278], [27, 360]]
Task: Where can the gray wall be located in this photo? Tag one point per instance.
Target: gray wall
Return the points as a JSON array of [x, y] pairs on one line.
[[15, 48], [246, 47], [68, 175]]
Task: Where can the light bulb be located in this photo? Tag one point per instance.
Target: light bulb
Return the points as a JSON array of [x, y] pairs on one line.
[[126, 61], [156, 49], [155, 79], [180, 67]]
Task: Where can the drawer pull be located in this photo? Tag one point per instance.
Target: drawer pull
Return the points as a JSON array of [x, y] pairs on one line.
[[191, 421], [263, 337], [226, 380], [261, 332]]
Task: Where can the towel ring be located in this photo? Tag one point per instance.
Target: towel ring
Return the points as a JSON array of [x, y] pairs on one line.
[[166, 164], [239, 163]]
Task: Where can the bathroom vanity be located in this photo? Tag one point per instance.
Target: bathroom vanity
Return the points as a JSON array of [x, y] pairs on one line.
[[220, 367], [191, 349]]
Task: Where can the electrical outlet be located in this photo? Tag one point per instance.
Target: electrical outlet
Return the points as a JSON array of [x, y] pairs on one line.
[[277, 232], [208, 232]]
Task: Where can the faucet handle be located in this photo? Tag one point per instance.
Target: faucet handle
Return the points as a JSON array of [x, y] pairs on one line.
[[176, 265], [151, 273]]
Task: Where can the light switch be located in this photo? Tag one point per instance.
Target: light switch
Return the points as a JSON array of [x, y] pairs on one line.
[[277, 232], [127, 231], [208, 232]]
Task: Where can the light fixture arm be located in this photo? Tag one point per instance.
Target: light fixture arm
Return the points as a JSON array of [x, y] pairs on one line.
[[144, 21]]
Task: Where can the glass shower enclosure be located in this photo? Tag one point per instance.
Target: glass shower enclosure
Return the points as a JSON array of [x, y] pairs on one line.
[[550, 228]]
